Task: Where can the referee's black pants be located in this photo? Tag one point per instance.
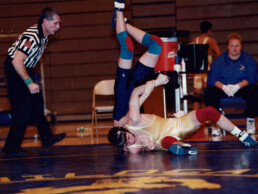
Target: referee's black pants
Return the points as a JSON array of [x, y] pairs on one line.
[[212, 96], [26, 107]]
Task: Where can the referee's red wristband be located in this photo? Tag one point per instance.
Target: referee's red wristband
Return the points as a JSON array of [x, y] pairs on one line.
[[28, 81]]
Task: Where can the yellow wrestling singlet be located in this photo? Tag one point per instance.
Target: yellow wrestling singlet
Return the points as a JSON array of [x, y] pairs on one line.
[[161, 127]]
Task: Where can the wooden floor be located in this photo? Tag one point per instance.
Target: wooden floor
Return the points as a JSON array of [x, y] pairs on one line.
[[81, 165]]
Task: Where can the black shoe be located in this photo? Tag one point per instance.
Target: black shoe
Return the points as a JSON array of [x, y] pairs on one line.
[[49, 141], [14, 151]]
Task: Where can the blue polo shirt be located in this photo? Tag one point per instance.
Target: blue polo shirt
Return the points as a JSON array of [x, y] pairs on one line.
[[229, 71]]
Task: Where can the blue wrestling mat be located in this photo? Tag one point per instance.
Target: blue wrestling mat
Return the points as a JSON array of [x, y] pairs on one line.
[[220, 167]]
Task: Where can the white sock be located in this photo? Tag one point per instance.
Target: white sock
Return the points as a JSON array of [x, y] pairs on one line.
[[238, 133], [250, 119], [119, 5], [250, 124]]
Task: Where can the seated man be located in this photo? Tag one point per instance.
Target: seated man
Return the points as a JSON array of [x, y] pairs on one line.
[[137, 132], [234, 74]]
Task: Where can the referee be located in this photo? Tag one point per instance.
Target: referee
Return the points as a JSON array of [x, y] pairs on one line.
[[24, 94]]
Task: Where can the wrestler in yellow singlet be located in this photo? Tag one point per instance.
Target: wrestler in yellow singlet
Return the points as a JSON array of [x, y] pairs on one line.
[[161, 127]]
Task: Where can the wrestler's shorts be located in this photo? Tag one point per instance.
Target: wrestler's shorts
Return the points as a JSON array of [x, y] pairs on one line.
[[123, 89], [199, 79], [126, 81]]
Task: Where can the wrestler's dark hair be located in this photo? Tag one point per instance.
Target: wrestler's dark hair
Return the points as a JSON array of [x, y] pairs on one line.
[[205, 26], [48, 13], [117, 136]]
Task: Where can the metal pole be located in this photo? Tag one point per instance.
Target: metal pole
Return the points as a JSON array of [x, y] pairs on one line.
[[164, 103]]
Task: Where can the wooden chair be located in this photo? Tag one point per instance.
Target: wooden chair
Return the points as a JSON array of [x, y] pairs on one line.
[[103, 88]]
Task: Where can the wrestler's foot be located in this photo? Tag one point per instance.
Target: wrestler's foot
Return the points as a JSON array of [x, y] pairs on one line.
[[250, 142], [119, 5], [113, 21], [185, 149]]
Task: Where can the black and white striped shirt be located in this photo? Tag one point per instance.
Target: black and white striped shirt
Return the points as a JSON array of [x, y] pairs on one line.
[[32, 43]]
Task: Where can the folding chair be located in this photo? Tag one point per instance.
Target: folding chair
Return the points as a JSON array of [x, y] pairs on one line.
[[102, 88]]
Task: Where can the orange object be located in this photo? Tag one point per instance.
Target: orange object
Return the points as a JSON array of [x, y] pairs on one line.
[[167, 58]]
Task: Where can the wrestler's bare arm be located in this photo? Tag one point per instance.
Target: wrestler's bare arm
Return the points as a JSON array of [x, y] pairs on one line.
[[145, 90], [215, 47], [140, 94], [149, 87]]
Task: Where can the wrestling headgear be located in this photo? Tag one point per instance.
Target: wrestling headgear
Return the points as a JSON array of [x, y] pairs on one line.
[[117, 136]]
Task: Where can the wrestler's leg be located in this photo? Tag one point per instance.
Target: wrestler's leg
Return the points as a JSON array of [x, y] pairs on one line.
[[178, 148], [123, 85], [153, 43], [181, 127], [143, 69], [211, 114], [126, 52], [198, 88], [198, 84]]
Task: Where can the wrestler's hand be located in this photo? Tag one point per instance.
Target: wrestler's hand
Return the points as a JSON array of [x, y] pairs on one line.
[[161, 80], [150, 145], [179, 114], [146, 142], [34, 88], [122, 122]]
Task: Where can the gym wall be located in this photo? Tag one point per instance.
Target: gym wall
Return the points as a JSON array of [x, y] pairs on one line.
[[85, 50]]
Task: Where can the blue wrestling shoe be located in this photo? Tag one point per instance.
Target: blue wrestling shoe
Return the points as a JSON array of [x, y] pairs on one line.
[[180, 150], [250, 142]]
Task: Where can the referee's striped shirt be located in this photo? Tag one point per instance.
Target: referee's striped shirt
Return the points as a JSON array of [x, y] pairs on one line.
[[32, 43]]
